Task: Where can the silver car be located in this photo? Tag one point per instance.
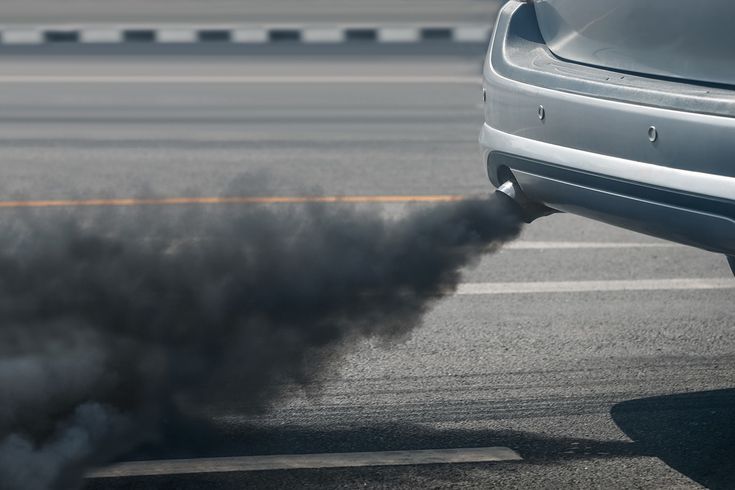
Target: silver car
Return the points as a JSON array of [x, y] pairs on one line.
[[619, 110]]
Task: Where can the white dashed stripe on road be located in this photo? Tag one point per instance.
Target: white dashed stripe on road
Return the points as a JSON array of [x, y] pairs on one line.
[[323, 35], [252, 35], [495, 288], [176, 36], [399, 35], [534, 245], [21, 36], [100, 36], [244, 34], [306, 461]]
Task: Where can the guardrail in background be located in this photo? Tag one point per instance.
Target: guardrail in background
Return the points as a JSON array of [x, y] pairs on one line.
[[243, 34]]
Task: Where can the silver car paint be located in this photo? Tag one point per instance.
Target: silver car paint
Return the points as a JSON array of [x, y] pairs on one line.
[[693, 152], [704, 230], [675, 38], [692, 155]]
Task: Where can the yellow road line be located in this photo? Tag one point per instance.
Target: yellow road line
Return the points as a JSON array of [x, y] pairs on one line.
[[243, 79], [387, 199]]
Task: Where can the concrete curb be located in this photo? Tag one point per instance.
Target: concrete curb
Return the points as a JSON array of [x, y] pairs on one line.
[[184, 34]]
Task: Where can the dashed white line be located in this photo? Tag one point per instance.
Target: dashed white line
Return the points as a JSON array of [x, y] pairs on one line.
[[21, 36], [472, 34], [306, 461], [497, 288], [176, 36], [539, 245], [323, 35], [101, 36], [399, 35], [249, 35]]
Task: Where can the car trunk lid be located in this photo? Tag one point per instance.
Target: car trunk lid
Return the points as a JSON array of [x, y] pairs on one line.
[[684, 39]]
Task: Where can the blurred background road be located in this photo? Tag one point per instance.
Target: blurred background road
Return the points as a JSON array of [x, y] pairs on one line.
[[251, 11]]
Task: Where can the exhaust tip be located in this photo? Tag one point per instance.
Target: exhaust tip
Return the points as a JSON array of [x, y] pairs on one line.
[[510, 189], [529, 210]]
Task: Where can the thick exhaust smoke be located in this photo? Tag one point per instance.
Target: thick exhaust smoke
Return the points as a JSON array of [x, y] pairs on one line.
[[110, 319]]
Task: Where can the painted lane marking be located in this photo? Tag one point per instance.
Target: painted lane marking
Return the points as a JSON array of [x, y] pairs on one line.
[[399, 35], [230, 200], [176, 35], [21, 36], [245, 33], [474, 34], [306, 461], [241, 79], [328, 35], [355, 199], [539, 245], [101, 35], [495, 288], [249, 35]]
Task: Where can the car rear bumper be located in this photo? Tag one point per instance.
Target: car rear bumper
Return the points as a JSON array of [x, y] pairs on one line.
[[577, 139]]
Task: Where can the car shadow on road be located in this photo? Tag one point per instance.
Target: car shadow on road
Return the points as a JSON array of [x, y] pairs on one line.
[[694, 433]]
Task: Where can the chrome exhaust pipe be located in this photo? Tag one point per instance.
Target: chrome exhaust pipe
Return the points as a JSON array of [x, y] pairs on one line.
[[529, 210]]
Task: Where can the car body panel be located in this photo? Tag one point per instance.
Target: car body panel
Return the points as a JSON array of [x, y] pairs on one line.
[[671, 38], [595, 128]]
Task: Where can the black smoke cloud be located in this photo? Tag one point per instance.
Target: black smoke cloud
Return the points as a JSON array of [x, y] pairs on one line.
[[111, 318]]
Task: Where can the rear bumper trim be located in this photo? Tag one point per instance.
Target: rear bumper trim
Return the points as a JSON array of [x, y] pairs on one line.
[[701, 204], [715, 187]]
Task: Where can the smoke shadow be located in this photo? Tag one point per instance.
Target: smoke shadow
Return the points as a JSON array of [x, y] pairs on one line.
[[201, 440], [693, 433]]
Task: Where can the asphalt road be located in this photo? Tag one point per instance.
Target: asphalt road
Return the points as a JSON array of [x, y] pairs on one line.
[[593, 389], [251, 11]]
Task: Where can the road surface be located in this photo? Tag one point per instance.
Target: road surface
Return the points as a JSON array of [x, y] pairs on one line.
[[251, 11], [605, 366]]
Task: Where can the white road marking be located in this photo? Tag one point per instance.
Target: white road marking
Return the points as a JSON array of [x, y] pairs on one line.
[[235, 79], [533, 245], [249, 35], [398, 35], [306, 461], [21, 36], [178, 35], [101, 35], [472, 34], [323, 35], [495, 288]]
